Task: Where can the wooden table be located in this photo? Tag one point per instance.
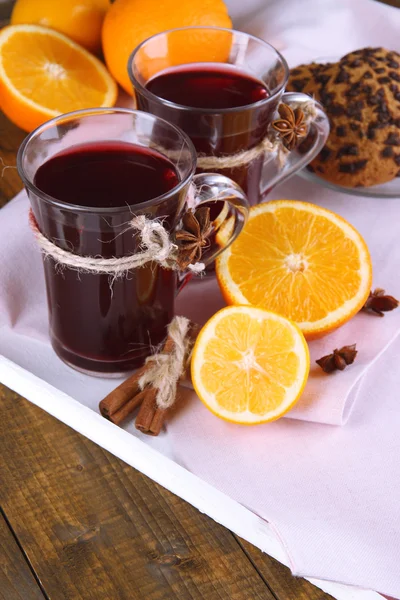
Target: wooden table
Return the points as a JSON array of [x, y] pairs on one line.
[[79, 524]]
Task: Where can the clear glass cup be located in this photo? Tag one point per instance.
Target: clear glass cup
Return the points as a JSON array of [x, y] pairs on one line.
[[104, 328], [225, 132]]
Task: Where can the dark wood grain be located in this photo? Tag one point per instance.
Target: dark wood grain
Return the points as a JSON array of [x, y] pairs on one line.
[[94, 528], [279, 578], [16, 579], [395, 3], [10, 140]]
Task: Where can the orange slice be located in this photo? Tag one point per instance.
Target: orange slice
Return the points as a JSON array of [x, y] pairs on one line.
[[301, 261], [44, 74], [249, 365]]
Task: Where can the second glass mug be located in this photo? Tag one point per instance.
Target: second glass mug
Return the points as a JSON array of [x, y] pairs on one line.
[[225, 131], [96, 326]]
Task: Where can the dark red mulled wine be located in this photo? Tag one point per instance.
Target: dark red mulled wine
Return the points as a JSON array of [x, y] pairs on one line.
[[91, 317], [211, 88], [106, 175], [220, 107]]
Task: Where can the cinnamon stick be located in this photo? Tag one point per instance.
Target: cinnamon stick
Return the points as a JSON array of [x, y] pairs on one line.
[[125, 410], [119, 403], [158, 421], [151, 417], [122, 401], [147, 411]]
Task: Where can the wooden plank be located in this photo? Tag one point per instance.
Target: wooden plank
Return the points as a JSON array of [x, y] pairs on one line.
[[279, 578], [16, 579], [10, 140], [93, 527]]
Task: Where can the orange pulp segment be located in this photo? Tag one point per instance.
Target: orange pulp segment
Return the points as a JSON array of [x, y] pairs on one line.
[[249, 365], [44, 74], [301, 261]]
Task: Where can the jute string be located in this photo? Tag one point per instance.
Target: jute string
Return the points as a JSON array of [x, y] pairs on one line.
[[156, 246], [270, 144], [167, 369], [243, 158]]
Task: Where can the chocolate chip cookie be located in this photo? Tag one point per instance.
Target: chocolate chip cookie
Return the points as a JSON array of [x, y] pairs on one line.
[[361, 95]]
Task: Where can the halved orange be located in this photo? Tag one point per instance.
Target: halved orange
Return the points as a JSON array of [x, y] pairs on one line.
[[301, 261], [249, 365], [44, 74]]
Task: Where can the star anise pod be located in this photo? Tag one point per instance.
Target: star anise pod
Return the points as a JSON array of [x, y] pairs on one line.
[[379, 302], [291, 127], [338, 360], [192, 238]]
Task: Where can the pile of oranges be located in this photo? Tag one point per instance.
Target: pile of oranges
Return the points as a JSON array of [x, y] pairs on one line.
[[47, 55]]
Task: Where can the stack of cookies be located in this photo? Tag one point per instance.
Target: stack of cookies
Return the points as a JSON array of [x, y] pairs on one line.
[[361, 96]]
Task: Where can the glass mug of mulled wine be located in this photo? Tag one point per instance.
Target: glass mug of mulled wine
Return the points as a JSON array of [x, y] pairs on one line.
[[87, 175], [223, 87]]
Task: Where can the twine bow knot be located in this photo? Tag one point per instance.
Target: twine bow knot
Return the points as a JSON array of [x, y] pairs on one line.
[[156, 245], [167, 367], [155, 240]]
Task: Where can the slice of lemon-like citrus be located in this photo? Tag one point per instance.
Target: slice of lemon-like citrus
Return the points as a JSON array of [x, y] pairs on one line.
[[44, 74], [301, 261], [249, 365]]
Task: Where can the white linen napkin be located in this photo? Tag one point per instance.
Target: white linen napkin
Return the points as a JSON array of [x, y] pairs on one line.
[[330, 493]]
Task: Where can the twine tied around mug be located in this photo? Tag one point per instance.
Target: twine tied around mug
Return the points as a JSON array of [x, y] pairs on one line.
[[271, 144], [156, 246]]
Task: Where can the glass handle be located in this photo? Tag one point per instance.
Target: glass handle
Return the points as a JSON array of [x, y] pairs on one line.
[[229, 209], [297, 159]]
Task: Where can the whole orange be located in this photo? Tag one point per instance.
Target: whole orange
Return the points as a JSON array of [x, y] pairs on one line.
[[80, 20], [130, 22]]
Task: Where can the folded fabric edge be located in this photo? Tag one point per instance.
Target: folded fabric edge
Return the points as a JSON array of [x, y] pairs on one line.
[[359, 382], [340, 417]]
